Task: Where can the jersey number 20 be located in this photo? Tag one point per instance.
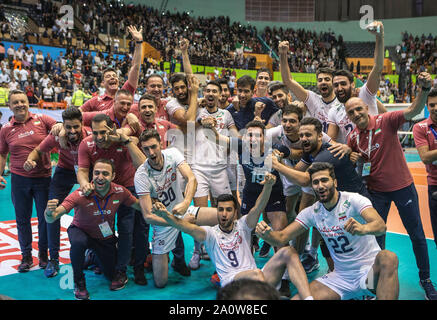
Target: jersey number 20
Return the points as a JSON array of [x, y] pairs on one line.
[[167, 197]]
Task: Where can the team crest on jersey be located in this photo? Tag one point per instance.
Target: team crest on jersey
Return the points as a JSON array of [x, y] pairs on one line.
[[377, 131], [118, 190], [347, 204]]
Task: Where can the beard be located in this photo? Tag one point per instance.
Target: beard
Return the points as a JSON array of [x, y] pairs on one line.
[[346, 97], [327, 196]]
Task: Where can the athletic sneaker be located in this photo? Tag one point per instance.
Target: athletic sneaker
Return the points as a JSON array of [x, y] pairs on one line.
[[139, 279], [215, 280], [26, 264], [80, 291], [284, 291], [265, 249], [194, 263], [181, 268], [52, 268], [430, 292], [43, 259], [310, 263], [119, 281]]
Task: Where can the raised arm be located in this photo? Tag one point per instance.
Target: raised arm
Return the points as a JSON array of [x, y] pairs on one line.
[[424, 81], [299, 91], [184, 43], [261, 202], [376, 28], [134, 72]]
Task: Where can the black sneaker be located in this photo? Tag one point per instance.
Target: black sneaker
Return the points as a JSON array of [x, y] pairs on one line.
[[284, 291], [265, 249], [43, 259], [119, 281], [428, 287], [80, 291], [181, 268], [139, 279], [26, 264]]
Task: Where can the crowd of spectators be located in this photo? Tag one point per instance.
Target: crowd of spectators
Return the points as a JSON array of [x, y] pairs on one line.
[[212, 41]]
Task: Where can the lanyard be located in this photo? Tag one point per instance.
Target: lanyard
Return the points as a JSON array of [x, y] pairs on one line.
[[433, 132], [98, 206], [119, 125], [370, 143]]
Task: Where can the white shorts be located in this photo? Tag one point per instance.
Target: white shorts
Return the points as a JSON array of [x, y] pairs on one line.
[[164, 238], [232, 176], [208, 180], [348, 285]]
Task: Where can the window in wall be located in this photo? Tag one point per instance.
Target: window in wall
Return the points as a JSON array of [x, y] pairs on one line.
[[280, 10]]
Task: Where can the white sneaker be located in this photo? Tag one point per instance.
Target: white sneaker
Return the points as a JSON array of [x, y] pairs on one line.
[[195, 261]]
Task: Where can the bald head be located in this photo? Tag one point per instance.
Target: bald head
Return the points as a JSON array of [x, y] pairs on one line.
[[357, 111]]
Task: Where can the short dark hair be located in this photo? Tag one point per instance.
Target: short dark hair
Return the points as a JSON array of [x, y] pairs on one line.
[[244, 289], [149, 134], [227, 197], [326, 70], [432, 94], [148, 96], [293, 108], [256, 124], [179, 76], [312, 121], [278, 86], [344, 73], [223, 81], [153, 75], [246, 81], [263, 70], [215, 83], [320, 166], [103, 117], [72, 113], [107, 161]]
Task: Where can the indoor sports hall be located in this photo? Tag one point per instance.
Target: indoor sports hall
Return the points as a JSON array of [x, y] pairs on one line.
[[227, 38]]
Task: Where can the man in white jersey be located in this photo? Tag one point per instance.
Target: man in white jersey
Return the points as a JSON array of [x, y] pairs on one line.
[[157, 178], [209, 161], [228, 243], [339, 125], [348, 223]]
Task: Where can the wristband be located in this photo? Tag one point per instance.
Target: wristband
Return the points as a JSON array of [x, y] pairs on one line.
[[426, 89], [138, 42]]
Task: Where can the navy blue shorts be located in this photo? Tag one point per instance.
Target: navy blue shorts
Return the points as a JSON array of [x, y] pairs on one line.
[[276, 202]]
